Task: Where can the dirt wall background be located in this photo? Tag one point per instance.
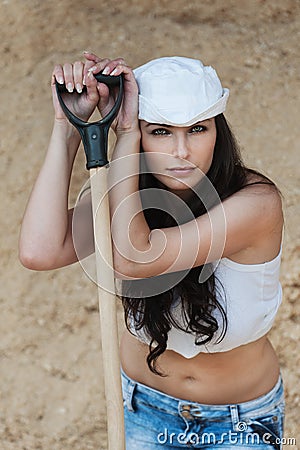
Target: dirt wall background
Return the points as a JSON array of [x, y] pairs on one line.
[[51, 390]]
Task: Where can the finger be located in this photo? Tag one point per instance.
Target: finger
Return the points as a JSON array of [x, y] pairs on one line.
[[122, 69], [112, 65], [89, 79], [78, 76], [58, 75], [104, 92], [68, 76], [91, 56], [91, 84], [53, 87], [86, 70], [96, 68]]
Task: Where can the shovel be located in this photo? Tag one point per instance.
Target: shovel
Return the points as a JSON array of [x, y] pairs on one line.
[[94, 136]]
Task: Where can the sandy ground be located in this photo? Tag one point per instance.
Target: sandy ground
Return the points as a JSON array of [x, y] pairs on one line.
[[51, 386]]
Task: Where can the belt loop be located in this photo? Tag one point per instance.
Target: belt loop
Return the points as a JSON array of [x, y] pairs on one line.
[[129, 395], [235, 417]]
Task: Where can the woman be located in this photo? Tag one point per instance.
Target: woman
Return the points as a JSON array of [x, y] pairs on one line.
[[198, 250]]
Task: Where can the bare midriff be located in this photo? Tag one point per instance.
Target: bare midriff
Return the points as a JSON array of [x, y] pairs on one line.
[[235, 376]]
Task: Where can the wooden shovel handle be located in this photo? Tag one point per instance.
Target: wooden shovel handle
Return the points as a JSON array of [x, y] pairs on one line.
[[107, 310]]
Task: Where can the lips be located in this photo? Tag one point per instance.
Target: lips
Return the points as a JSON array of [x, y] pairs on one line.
[[181, 168], [186, 170]]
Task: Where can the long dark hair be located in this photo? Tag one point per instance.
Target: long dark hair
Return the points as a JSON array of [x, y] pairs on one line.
[[153, 313]]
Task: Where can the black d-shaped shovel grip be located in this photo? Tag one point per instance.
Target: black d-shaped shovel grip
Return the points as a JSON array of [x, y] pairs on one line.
[[94, 135]]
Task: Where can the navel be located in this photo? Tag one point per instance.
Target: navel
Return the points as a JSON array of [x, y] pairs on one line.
[[190, 379]]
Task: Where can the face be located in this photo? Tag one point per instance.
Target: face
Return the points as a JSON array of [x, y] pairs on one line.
[[179, 156]]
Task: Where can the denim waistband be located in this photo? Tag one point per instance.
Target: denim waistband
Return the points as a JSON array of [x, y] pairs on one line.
[[260, 405]]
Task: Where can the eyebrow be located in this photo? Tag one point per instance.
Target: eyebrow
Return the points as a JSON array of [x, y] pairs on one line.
[[169, 126]]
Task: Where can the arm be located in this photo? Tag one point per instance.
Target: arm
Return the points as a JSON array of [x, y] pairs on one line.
[[248, 222], [46, 233], [45, 238]]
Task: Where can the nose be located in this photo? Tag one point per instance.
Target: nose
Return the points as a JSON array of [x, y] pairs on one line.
[[180, 149]]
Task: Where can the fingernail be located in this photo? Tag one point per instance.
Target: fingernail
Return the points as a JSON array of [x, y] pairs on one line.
[[92, 69], [106, 71], [114, 71], [60, 80], [83, 81], [70, 87], [85, 51], [78, 88]]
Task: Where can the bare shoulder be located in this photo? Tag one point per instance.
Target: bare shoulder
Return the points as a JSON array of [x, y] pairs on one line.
[[264, 194], [261, 202]]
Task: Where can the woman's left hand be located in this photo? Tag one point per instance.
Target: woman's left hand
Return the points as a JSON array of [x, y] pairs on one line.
[[127, 118]]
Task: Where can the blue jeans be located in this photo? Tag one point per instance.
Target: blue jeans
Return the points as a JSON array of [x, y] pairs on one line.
[[155, 420]]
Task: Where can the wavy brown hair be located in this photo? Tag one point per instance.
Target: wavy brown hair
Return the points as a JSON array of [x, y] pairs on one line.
[[153, 313]]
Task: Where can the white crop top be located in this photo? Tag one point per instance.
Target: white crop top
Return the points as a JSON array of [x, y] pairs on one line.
[[252, 297]]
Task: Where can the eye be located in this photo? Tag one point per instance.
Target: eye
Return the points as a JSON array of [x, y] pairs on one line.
[[160, 132], [198, 129]]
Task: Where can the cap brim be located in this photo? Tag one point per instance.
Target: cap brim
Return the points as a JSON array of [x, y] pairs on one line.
[[149, 113]]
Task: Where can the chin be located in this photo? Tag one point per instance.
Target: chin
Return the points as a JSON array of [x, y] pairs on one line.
[[186, 184]]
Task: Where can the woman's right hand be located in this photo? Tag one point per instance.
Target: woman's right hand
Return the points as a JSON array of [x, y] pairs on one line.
[[127, 118], [82, 102]]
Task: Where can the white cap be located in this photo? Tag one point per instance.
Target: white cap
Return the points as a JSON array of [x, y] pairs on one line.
[[179, 91]]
